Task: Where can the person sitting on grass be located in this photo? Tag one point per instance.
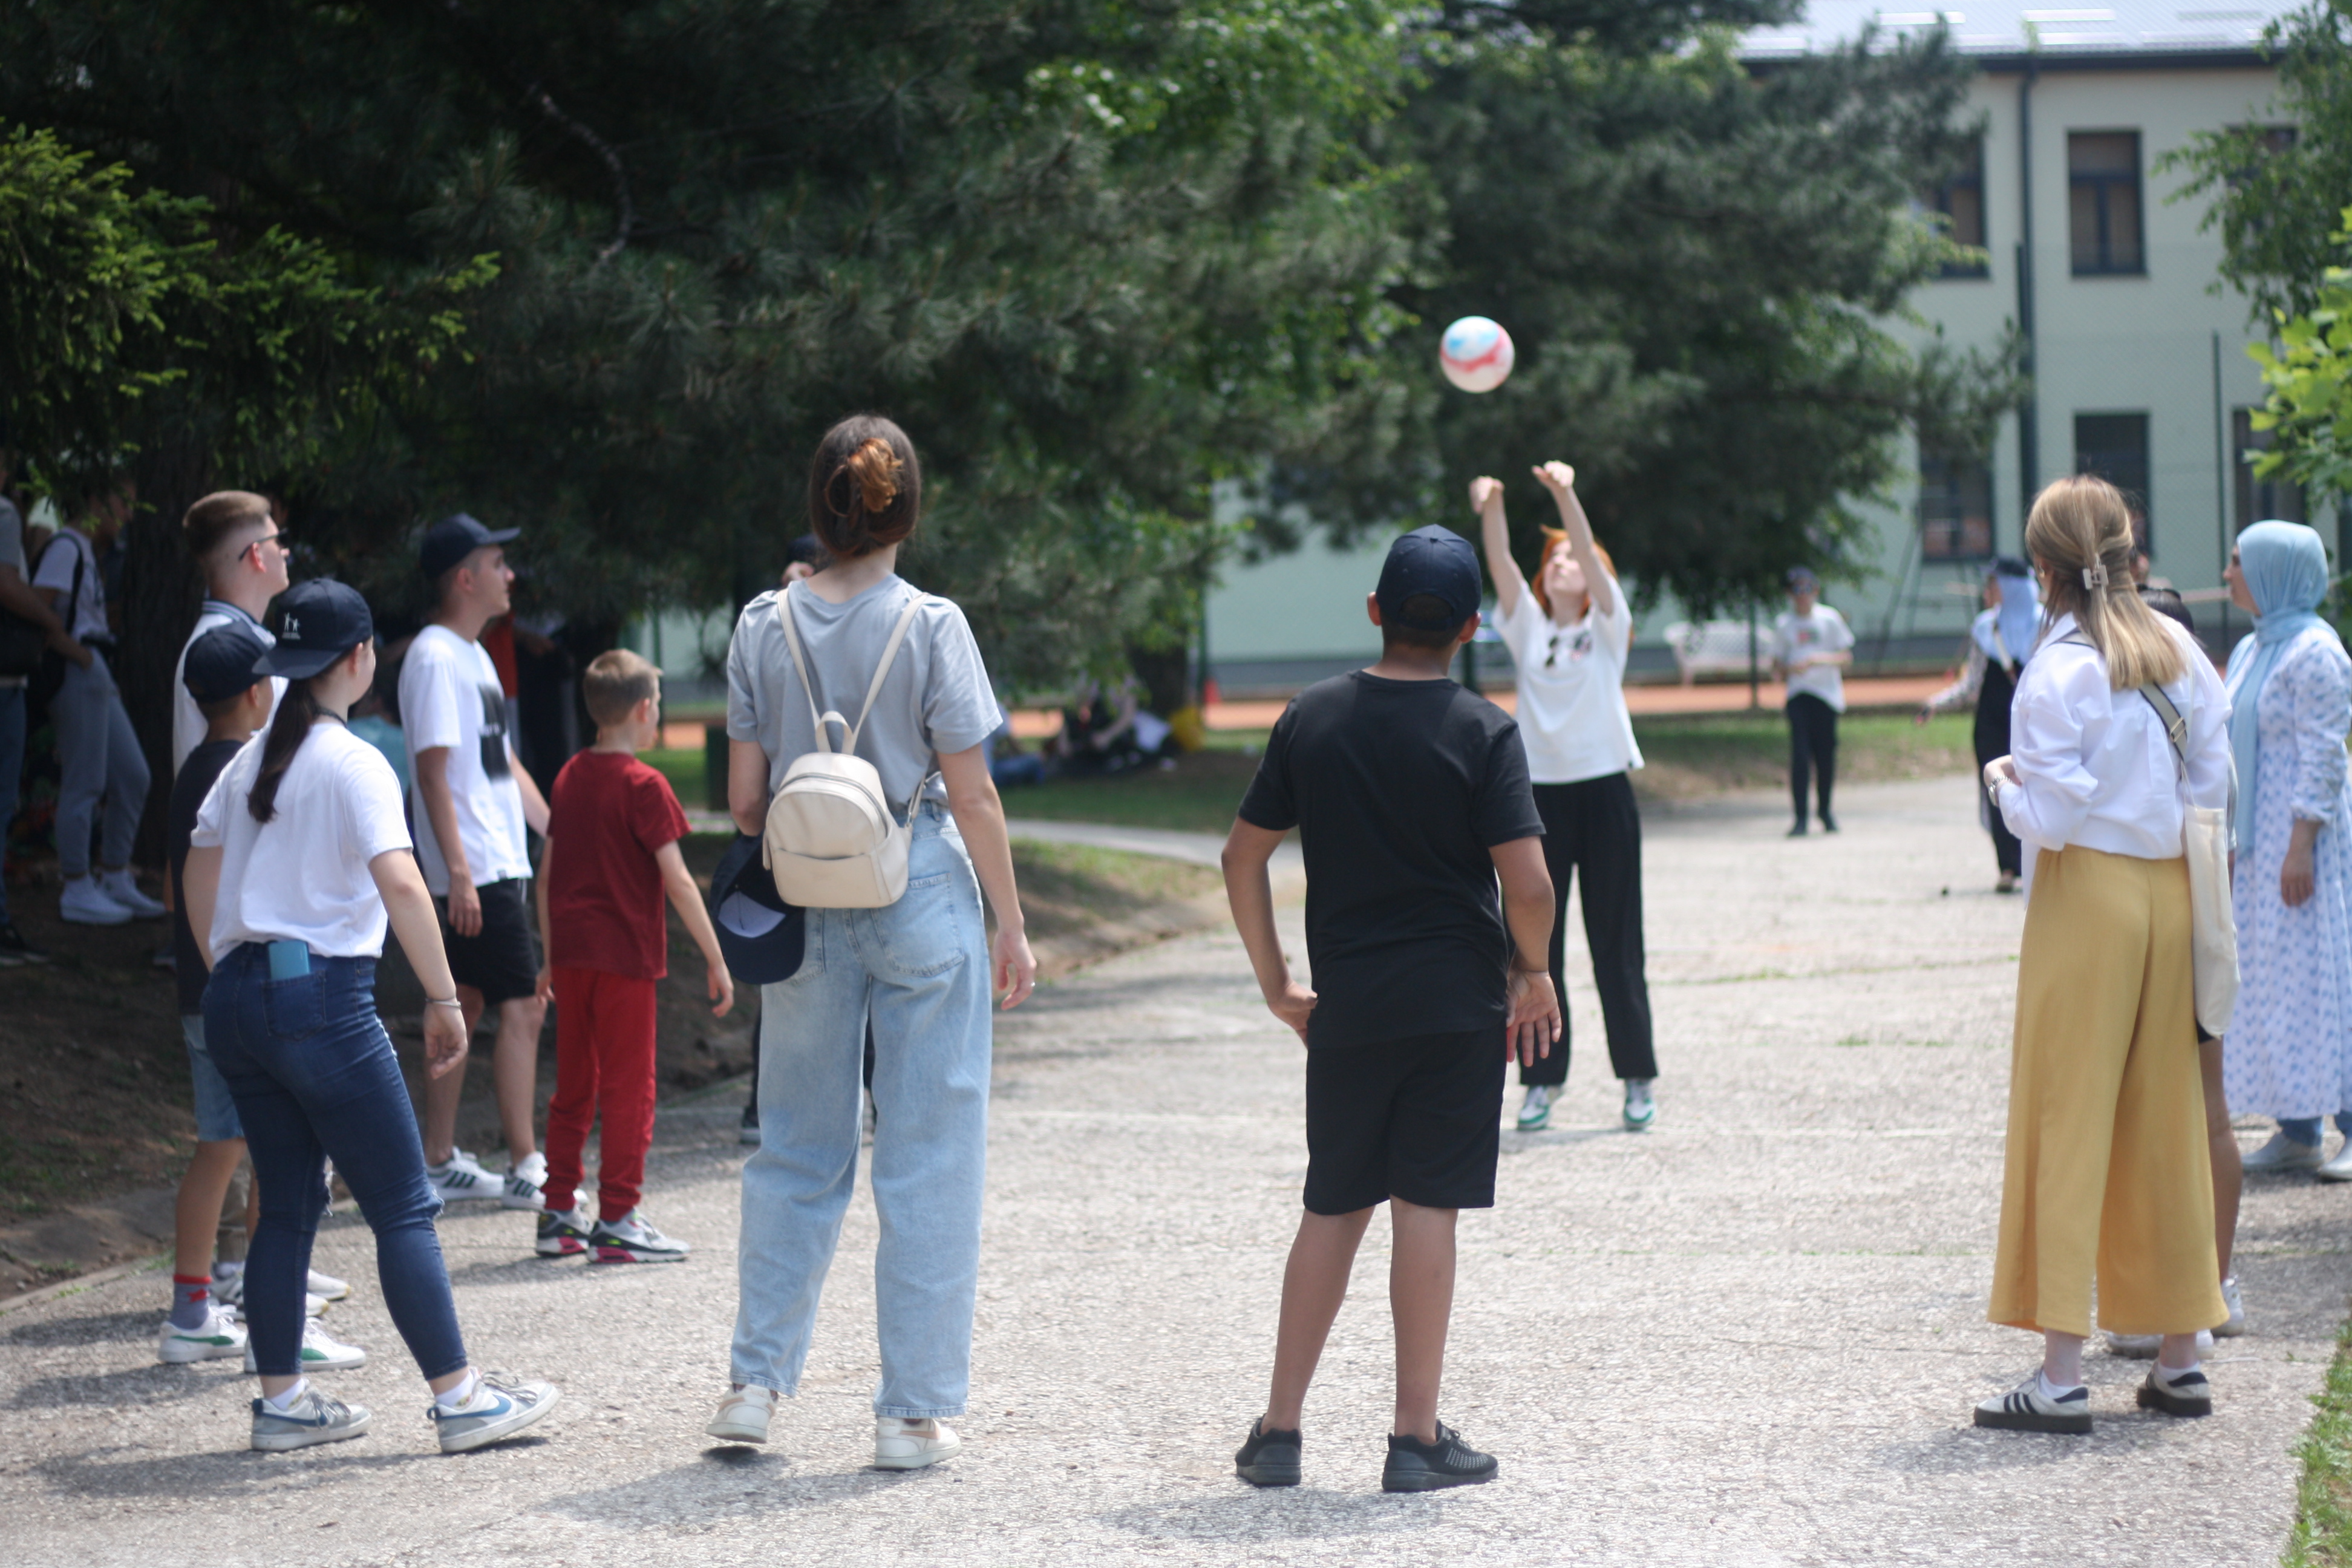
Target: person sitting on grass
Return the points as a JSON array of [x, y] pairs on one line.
[[1410, 794], [617, 824]]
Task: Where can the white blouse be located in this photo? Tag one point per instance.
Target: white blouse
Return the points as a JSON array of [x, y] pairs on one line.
[[2093, 765]]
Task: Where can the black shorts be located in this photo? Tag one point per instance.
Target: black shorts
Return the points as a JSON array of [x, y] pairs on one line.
[[502, 960], [1418, 1119]]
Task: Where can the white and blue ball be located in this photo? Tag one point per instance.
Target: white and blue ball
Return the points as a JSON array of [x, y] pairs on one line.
[[1476, 354]]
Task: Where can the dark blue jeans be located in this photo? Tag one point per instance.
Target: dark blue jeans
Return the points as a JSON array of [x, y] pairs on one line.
[[314, 1077]]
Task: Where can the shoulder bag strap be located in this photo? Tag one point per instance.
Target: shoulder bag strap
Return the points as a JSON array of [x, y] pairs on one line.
[[2176, 727], [800, 663]]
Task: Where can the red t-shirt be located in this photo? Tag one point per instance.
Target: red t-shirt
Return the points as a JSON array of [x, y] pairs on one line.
[[608, 816]]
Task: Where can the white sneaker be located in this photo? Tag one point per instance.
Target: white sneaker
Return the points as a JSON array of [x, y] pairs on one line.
[[218, 1336], [2236, 1305], [229, 1289], [2339, 1169], [461, 1177], [85, 903], [501, 1405], [327, 1288], [123, 888], [2027, 1408], [901, 1444], [2284, 1153], [633, 1240], [313, 1418], [1640, 1106], [2143, 1347], [520, 1189], [1535, 1111], [743, 1414], [321, 1352]]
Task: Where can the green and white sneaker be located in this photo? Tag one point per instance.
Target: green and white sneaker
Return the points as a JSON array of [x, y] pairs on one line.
[[1641, 1105], [1535, 1111], [218, 1336], [321, 1352], [314, 1417], [229, 1289], [501, 1405], [327, 1288]]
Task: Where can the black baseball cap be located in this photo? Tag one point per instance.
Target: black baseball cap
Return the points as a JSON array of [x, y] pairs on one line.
[[319, 622], [760, 935], [1433, 561], [221, 664], [448, 541]]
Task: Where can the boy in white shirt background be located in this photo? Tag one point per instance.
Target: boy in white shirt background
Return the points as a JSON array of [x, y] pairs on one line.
[[1811, 645], [473, 803]]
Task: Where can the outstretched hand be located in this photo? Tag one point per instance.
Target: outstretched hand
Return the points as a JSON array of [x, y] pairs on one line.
[[1485, 491], [1557, 476]]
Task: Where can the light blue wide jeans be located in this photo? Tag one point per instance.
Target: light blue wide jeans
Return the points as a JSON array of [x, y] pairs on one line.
[[919, 968]]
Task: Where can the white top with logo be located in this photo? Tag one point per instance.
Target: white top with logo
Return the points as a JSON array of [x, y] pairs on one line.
[[188, 724], [1571, 681], [450, 696], [1824, 631], [303, 876]]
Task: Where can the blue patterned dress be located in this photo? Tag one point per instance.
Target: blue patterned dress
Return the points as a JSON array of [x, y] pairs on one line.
[[2289, 1051]]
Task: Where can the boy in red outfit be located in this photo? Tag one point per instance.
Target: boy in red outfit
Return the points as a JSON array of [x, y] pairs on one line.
[[613, 834]]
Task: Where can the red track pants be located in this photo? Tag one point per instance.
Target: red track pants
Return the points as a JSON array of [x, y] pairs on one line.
[[603, 1062]]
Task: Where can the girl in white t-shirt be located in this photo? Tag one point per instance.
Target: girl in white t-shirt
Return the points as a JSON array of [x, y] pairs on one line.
[[299, 861], [1569, 633]]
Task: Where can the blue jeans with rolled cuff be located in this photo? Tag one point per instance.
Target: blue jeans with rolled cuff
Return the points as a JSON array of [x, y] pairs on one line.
[[917, 969], [2305, 1129], [314, 1078]]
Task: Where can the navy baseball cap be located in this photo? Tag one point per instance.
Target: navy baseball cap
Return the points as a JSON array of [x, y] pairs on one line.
[[1803, 577], [448, 541], [319, 622], [1433, 561], [220, 664], [760, 935]]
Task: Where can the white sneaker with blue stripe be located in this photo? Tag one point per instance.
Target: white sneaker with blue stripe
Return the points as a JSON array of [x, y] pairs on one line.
[[501, 1405], [313, 1418]]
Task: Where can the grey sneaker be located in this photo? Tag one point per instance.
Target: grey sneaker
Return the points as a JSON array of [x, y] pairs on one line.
[[502, 1405], [633, 1240], [2284, 1153], [315, 1417], [1641, 1105]]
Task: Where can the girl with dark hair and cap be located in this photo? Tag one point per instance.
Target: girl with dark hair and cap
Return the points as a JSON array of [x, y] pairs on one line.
[[2289, 1054], [299, 861], [1999, 642], [917, 969]]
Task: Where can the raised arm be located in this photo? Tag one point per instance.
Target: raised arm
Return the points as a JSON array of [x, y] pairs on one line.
[[1527, 908], [1494, 534], [1560, 480]]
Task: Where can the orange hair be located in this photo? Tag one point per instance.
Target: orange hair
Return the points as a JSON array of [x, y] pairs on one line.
[[1556, 541]]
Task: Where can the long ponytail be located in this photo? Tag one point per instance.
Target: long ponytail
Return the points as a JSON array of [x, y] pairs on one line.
[[2080, 530], [297, 711]]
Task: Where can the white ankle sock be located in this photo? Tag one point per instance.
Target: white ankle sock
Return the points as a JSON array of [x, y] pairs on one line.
[[282, 1403], [2055, 1390], [2174, 1374], [454, 1397]]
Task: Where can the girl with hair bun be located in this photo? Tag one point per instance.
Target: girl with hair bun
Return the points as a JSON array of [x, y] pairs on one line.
[[2107, 1169], [918, 973]]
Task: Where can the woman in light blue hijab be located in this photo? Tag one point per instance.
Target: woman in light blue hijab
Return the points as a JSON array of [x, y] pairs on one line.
[[2289, 1051], [1999, 642]]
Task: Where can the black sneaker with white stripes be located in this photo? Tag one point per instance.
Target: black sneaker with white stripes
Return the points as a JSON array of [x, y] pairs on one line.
[[2177, 1393], [1417, 1467], [1268, 1458], [2026, 1408]]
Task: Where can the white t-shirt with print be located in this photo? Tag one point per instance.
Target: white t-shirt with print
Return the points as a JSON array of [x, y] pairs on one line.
[[303, 876], [86, 617], [450, 696], [188, 724], [1824, 631], [1571, 681]]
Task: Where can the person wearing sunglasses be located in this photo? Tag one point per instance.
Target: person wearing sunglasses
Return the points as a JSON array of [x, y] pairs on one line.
[[1569, 633], [237, 544]]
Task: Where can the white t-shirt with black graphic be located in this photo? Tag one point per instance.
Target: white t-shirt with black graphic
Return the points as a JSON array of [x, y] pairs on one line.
[[450, 696]]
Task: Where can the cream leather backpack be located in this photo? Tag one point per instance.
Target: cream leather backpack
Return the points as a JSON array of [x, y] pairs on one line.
[[830, 841]]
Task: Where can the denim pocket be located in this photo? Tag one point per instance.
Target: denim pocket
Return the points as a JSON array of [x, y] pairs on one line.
[[296, 1008], [932, 928]]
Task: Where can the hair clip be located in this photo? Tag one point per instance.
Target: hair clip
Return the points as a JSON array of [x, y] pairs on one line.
[[2095, 576]]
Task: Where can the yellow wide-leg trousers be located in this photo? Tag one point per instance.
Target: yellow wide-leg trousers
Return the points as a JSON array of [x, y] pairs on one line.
[[2107, 1162]]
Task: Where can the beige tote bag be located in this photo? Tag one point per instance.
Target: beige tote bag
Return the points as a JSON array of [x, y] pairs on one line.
[[2213, 924]]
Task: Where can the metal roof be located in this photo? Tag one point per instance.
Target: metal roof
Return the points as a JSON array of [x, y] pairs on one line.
[[2060, 33]]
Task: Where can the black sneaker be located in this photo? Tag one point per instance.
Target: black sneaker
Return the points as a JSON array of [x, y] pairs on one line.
[[561, 1234], [2185, 1394], [1417, 1467], [1829, 823], [1268, 1458], [1798, 831], [15, 949]]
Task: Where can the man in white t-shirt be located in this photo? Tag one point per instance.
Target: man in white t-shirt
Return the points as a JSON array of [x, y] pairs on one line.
[[1811, 645], [18, 598], [473, 801], [235, 540]]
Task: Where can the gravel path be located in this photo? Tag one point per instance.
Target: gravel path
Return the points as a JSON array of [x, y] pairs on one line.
[[1750, 1336]]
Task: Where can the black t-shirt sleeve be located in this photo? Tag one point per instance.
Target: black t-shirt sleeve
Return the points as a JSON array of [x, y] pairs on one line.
[[1270, 803], [1503, 809]]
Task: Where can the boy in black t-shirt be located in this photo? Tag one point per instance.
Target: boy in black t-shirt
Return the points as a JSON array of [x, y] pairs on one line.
[[1410, 794]]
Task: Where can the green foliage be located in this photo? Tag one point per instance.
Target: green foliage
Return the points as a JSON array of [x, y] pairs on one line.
[[2322, 1537], [2309, 410]]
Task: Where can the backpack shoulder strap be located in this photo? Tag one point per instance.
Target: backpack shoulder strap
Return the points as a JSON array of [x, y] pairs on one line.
[[889, 655], [800, 663]]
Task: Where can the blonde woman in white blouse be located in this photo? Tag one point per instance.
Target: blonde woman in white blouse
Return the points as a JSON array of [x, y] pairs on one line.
[[2108, 1166]]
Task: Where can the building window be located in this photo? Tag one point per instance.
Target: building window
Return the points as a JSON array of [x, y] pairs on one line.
[[1962, 202], [2103, 188], [2260, 500], [2115, 448], [1955, 508]]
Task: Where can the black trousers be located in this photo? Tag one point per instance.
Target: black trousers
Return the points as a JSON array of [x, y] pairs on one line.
[[1991, 736], [1813, 748], [1594, 827]]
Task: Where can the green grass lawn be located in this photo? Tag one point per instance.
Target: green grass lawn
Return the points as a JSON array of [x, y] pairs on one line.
[[686, 772], [2322, 1523]]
